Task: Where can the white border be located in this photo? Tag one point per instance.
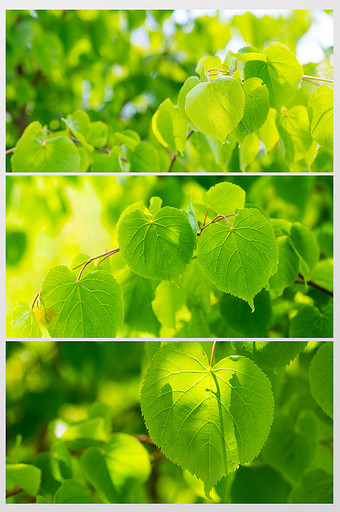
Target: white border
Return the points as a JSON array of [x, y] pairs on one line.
[[175, 4]]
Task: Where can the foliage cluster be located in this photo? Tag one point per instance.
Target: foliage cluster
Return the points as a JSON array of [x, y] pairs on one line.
[[117, 91], [76, 433], [242, 258]]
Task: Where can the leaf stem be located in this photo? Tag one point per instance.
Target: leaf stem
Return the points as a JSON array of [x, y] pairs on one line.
[[212, 353], [104, 255], [13, 492], [37, 297], [314, 285], [308, 77], [218, 217], [9, 151], [174, 156]]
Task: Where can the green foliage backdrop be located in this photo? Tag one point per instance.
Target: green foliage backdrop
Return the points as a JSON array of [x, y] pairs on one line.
[[241, 257], [144, 91], [134, 422]]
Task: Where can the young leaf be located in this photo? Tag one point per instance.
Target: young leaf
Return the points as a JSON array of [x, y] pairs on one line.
[[208, 420], [119, 465], [24, 323], [288, 265], [320, 112], [72, 491], [216, 107], [321, 377], [315, 486], [291, 445], [189, 84], [91, 307], [293, 126], [25, 476], [43, 315], [34, 152], [279, 70], [309, 322], [169, 126], [224, 198], [144, 158], [268, 354], [256, 108], [241, 258], [156, 247], [306, 246]]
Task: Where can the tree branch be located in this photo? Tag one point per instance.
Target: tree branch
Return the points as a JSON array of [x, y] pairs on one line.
[[13, 492], [314, 285]]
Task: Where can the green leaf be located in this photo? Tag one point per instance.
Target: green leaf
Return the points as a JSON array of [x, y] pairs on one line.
[[189, 84], [256, 108], [168, 300], [315, 486], [216, 107], [86, 433], [48, 51], [72, 491], [156, 247], [97, 134], [24, 324], [288, 265], [241, 258], [43, 315], [323, 274], [321, 377], [36, 153], [291, 445], [306, 246], [224, 198], [293, 126], [206, 420], [259, 484], [309, 322], [91, 307], [279, 70], [119, 466], [269, 354], [207, 62], [103, 162], [79, 124], [138, 294], [169, 126], [55, 466], [239, 317], [320, 112], [144, 158], [268, 132], [25, 476]]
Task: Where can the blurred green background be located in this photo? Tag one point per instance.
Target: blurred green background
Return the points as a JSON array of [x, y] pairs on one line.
[[120, 65], [51, 386], [51, 219]]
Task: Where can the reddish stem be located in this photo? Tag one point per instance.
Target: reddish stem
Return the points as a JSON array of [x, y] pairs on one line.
[[212, 354]]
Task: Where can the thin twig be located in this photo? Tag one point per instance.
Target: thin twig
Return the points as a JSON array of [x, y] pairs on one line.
[[212, 354], [314, 285], [36, 298], [143, 438], [13, 492], [174, 156], [306, 77], [8, 151], [85, 263]]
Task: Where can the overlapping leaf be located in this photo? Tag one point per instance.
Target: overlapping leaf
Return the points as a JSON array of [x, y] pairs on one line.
[[216, 107], [156, 246], [91, 307], [241, 258]]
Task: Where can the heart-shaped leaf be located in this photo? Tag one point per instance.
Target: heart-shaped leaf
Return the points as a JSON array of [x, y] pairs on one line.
[[239, 258], [91, 307], [208, 420], [159, 246], [216, 107]]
